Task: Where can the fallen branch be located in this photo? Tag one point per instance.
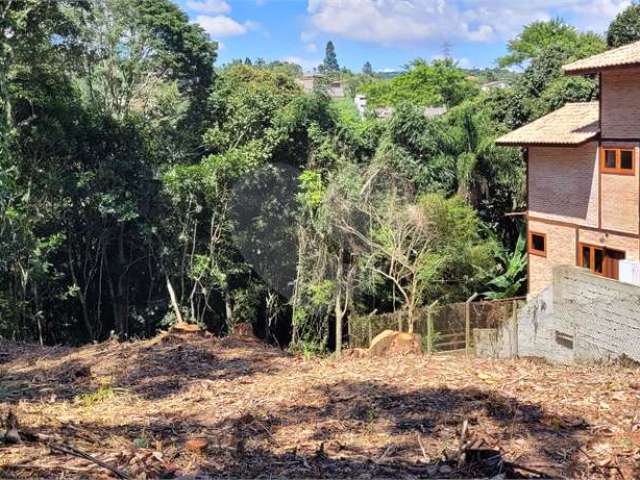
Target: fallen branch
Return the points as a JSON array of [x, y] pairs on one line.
[[80, 454]]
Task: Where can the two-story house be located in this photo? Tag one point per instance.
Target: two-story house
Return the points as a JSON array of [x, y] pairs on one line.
[[583, 182]]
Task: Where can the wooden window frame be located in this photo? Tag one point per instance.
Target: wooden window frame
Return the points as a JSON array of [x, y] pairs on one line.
[[592, 257], [606, 260], [533, 251], [618, 170]]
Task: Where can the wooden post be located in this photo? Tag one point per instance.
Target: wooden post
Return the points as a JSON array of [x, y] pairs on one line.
[[430, 327], [467, 324], [514, 329], [429, 331]]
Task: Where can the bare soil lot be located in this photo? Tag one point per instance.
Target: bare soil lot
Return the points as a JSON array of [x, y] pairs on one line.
[[197, 406]]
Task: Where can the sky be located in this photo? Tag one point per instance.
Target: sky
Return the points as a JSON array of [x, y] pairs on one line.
[[387, 33]]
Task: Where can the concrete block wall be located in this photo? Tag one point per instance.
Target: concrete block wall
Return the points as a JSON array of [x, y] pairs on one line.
[[581, 317]]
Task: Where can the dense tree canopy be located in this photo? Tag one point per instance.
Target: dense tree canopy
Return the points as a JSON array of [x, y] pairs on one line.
[[140, 186], [440, 82], [538, 37], [625, 28]]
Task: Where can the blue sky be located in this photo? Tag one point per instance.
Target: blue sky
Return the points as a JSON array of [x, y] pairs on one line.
[[388, 33]]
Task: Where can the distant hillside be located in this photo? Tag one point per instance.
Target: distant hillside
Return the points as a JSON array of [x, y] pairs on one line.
[[491, 74]]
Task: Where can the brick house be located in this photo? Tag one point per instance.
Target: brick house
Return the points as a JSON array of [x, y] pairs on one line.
[[583, 182]]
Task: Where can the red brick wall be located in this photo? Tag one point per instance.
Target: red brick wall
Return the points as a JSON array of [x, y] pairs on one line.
[[620, 206], [621, 103], [561, 250], [629, 245], [563, 184]]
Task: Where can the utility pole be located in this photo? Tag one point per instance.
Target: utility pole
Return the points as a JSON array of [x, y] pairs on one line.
[[446, 50]]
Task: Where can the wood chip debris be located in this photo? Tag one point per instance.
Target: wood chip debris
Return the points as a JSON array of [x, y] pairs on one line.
[[181, 405]]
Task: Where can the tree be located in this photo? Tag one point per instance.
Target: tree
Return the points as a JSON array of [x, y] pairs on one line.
[[421, 247], [330, 62], [440, 82], [367, 69], [539, 36], [625, 28]]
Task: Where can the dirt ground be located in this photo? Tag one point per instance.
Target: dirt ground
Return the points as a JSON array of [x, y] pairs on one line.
[[201, 406]]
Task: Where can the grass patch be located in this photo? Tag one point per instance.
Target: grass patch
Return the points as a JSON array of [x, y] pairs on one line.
[[102, 394]]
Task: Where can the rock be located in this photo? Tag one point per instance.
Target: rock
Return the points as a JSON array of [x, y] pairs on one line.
[[185, 328], [11, 433], [391, 342], [445, 469], [12, 436], [197, 445]]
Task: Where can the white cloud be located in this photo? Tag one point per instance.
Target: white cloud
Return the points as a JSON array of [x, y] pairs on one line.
[[222, 26], [307, 36], [311, 47], [409, 21], [209, 6]]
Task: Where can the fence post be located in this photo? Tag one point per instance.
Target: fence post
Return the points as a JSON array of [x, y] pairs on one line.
[[430, 327], [514, 329], [467, 323]]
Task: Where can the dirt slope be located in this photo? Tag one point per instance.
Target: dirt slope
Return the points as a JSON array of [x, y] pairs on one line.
[[229, 407]]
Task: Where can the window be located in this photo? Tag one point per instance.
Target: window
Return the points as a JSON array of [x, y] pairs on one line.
[[601, 261], [592, 258], [538, 244], [617, 160], [564, 339]]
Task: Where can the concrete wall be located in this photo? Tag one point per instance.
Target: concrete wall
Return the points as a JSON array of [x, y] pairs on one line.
[[563, 184], [620, 97], [581, 317]]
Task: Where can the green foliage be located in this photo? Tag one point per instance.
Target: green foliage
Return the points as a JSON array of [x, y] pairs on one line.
[[138, 186], [510, 282], [540, 36], [424, 84], [625, 28], [330, 62], [544, 47], [102, 394]]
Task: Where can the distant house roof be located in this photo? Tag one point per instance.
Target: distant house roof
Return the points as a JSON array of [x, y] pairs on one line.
[[431, 112], [496, 84], [573, 124], [624, 56]]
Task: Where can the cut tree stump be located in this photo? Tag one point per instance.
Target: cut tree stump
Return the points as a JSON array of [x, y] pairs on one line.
[[390, 342]]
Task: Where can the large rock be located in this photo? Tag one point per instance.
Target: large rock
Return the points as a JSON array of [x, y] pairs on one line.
[[391, 342]]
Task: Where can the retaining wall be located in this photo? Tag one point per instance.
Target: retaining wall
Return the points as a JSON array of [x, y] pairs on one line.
[[581, 317]]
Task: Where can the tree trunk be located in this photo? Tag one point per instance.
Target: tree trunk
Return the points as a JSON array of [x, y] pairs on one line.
[[174, 300], [228, 308], [339, 316]]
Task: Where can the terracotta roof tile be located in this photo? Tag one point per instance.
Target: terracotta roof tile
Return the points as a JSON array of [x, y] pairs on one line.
[[573, 124], [626, 55]]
